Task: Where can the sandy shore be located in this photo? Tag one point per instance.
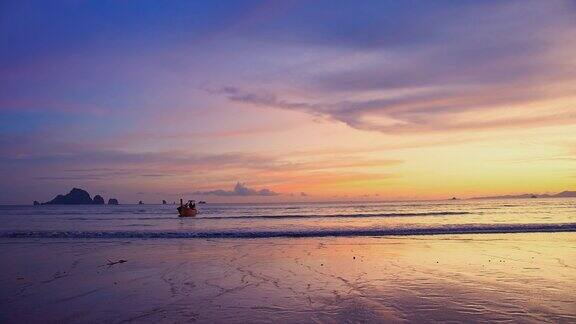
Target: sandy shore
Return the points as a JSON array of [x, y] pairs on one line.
[[471, 278]]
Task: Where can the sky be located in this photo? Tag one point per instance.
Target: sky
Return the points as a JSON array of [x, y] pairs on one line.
[[256, 101]]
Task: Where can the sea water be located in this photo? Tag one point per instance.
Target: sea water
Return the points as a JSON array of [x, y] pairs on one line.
[[291, 219]]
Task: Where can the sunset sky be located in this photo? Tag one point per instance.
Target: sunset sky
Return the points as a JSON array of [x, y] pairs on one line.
[[293, 100]]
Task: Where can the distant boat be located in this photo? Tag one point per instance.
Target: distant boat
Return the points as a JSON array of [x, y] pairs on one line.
[[188, 209]]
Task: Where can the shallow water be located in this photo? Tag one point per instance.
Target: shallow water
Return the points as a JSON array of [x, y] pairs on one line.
[[499, 278], [292, 220]]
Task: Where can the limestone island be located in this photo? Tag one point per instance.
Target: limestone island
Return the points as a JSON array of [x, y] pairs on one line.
[[78, 196]]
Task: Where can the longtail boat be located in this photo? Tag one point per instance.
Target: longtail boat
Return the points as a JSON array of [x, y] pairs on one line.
[[187, 210]]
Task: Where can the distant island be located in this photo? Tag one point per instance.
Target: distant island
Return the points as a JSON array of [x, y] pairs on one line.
[[563, 194], [78, 196]]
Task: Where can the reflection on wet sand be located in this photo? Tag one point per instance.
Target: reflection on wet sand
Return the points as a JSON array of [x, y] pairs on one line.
[[527, 277]]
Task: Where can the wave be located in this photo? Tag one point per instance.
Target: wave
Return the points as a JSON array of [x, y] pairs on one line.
[[363, 215], [359, 215], [444, 230]]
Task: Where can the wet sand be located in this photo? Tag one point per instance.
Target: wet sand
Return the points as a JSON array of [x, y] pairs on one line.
[[465, 278]]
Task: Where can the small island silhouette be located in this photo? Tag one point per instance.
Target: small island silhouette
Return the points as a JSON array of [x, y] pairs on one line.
[[563, 194], [78, 196]]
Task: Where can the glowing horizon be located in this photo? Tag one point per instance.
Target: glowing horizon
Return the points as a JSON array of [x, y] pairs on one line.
[[381, 100]]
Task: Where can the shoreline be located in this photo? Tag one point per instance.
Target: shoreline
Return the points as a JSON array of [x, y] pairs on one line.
[[388, 232]]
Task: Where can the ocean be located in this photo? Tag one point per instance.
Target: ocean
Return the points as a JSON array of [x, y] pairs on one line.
[[462, 261], [291, 219]]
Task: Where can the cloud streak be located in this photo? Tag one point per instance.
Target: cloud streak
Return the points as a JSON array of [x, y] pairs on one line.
[[460, 68]]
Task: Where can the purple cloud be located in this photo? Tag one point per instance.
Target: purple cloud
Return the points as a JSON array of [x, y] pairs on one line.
[[455, 68], [239, 190]]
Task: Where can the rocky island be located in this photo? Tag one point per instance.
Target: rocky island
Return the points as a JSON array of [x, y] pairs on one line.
[[78, 197], [98, 200], [74, 197]]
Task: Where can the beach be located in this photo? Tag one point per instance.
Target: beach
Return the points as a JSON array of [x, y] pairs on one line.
[[526, 277], [287, 161]]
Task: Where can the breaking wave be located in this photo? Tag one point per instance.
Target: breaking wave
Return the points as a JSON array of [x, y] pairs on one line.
[[441, 230]]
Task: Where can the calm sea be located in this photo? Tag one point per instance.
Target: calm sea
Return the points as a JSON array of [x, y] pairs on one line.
[[291, 220]]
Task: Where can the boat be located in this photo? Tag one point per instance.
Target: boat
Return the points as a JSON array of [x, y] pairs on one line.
[[188, 209]]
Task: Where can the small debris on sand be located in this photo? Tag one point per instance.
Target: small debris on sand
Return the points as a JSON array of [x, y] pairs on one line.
[[111, 263]]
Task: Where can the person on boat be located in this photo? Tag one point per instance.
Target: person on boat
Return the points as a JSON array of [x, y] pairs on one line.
[[188, 209]]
